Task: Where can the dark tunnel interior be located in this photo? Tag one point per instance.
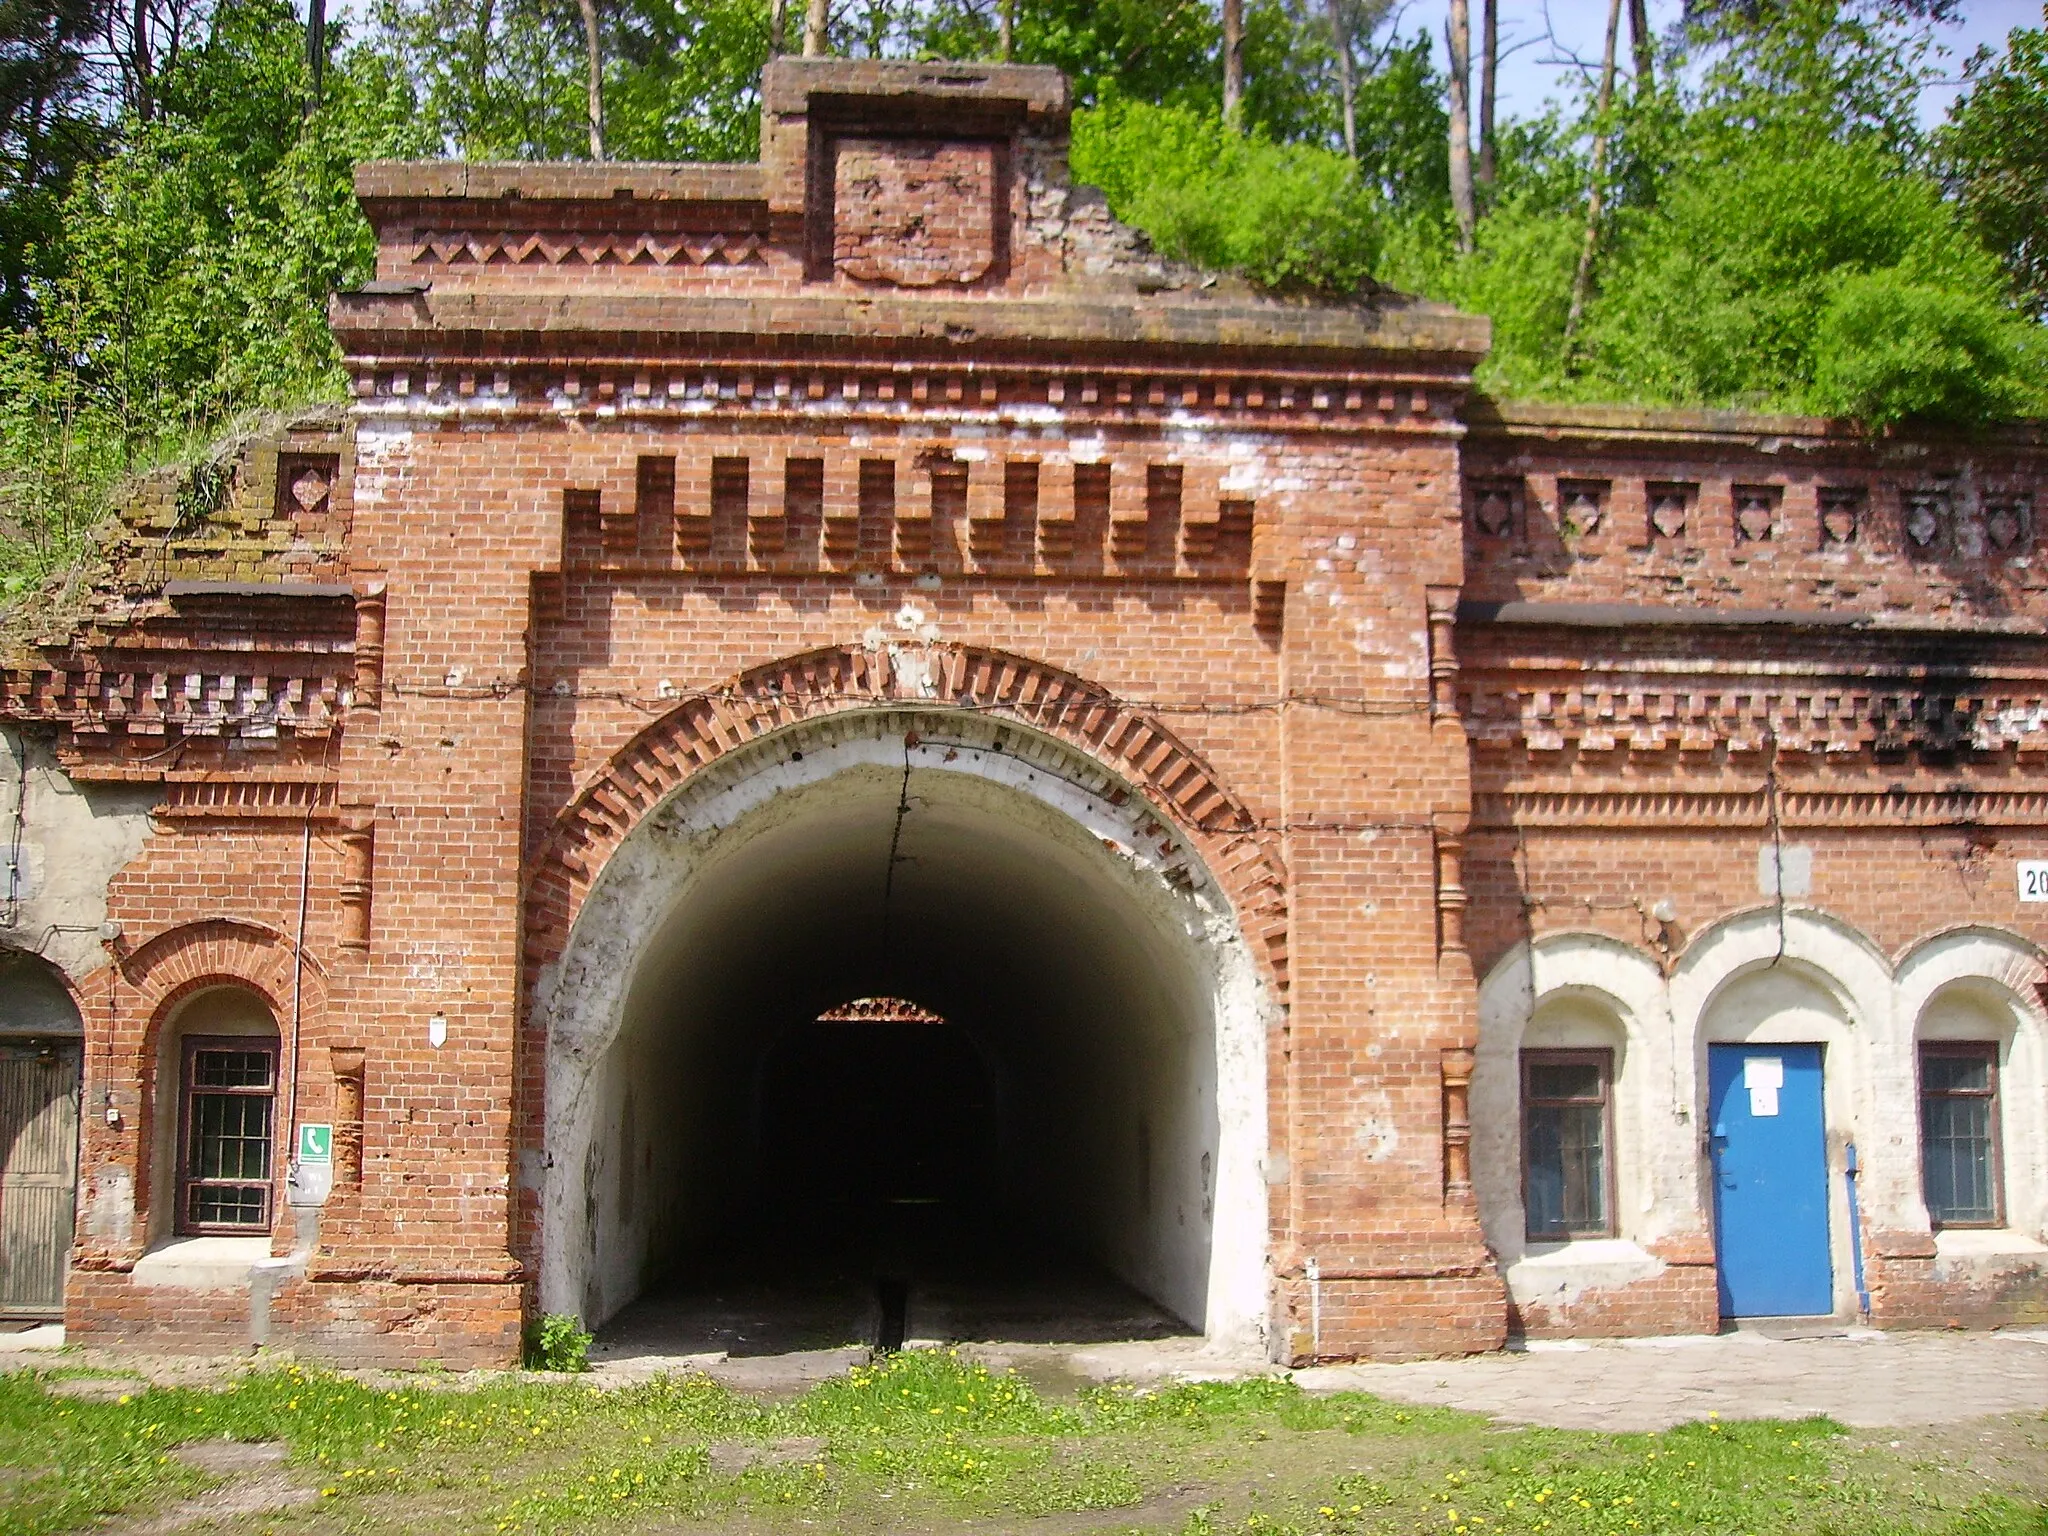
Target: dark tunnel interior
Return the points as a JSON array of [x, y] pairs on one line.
[[1034, 1152]]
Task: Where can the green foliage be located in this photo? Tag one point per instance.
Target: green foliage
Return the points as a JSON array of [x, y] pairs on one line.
[[1403, 128], [1137, 48], [557, 1342], [1774, 242], [1291, 218], [1888, 348], [684, 85], [1848, 68], [1994, 154], [55, 468], [1773, 239], [507, 81], [187, 278], [1718, 294], [47, 131], [1519, 274]]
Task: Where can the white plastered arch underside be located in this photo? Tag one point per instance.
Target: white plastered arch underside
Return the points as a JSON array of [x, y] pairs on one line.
[[1032, 816]]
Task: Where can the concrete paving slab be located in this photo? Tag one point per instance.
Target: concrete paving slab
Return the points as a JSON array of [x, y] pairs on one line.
[[41, 1337], [1857, 1377]]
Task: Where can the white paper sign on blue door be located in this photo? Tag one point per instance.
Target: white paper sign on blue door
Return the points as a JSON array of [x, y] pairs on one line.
[[1763, 1076]]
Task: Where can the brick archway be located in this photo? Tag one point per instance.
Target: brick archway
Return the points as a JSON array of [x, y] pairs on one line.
[[1174, 779], [134, 998], [221, 951], [1165, 987]]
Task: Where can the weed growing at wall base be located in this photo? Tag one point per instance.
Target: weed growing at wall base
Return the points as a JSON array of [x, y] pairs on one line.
[[927, 1439], [557, 1342]]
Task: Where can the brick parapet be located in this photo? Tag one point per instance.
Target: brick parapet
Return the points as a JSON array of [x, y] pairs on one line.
[[1699, 511]]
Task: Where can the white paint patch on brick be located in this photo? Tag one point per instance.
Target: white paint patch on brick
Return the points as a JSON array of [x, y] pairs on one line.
[[1784, 870]]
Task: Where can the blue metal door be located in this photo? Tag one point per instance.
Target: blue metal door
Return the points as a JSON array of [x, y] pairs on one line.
[[1770, 1164]]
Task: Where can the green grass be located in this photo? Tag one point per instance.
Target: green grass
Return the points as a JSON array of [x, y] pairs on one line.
[[923, 1440]]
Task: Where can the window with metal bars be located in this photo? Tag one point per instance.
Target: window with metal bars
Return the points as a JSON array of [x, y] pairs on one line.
[[227, 1133], [1567, 1130], [1959, 1163]]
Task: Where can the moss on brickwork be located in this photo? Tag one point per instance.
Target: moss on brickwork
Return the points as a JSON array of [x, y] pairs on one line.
[[218, 515]]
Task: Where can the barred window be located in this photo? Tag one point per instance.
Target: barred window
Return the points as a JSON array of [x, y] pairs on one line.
[[224, 1168], [1567, 1104], [1959, 1133]]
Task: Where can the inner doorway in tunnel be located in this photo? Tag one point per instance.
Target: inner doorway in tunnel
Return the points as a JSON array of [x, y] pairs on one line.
[[876, 1113], [1041, 1115]]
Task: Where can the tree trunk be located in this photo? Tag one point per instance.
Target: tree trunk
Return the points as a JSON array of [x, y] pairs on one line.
[[1347, 72], [593, 47], [316, 45], [1233, 62], [1006, 30], [479, 65], [816, 15], [139, 63], [778, 27], [1458, 34], [1643, 45], [1582, 280], [1489, 70]]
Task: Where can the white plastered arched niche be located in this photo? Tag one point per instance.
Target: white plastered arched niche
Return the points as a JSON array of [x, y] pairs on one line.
[[1801, 976], [1578, 990], [1080, 814], [1978, 984]]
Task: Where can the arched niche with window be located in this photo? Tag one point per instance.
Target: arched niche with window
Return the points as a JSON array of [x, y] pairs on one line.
[[1566, 1156], [217, 1117], [1571, 1072], [1977, 1066]]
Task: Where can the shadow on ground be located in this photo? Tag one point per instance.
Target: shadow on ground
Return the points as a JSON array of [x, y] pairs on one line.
[[920, 1274]]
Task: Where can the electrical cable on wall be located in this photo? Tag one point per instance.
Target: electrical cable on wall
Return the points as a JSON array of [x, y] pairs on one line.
[[895, 844], [1777, 835], [14, 848]]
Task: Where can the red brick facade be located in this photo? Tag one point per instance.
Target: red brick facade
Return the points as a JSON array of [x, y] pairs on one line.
[[648, 464]]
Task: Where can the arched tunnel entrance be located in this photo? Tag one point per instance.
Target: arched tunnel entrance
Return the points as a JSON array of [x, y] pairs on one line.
[[905, 1004]]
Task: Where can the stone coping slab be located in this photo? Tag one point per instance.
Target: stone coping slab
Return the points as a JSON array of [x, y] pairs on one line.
[[393, 319]]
